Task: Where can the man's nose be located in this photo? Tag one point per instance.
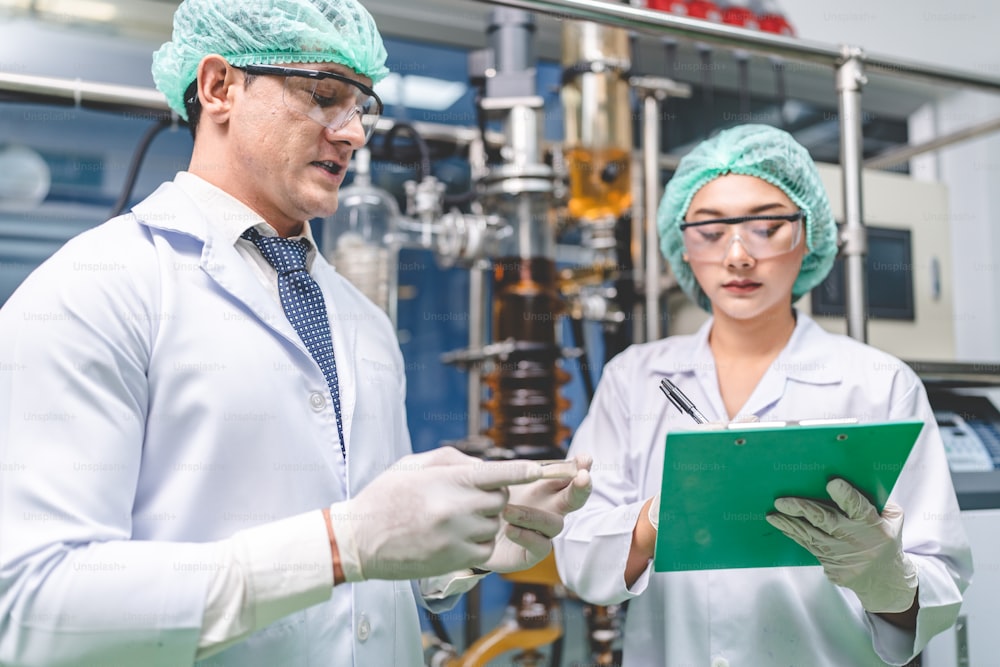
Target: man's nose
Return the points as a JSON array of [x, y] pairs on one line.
[[351, 131]]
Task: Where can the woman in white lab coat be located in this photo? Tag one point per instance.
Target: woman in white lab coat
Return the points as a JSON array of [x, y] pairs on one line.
[[747, 229]]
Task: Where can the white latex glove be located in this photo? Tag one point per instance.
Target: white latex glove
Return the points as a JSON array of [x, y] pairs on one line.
[[858, 548], [428, 515], [534, 515], [654, 512]]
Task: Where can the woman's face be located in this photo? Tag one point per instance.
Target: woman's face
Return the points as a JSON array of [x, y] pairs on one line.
[[739, 285]]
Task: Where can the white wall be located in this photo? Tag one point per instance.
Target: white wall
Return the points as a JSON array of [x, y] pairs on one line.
[[959, 34], [956, 33]]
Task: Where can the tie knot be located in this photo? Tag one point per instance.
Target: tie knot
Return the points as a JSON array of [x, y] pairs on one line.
[[285, 255]]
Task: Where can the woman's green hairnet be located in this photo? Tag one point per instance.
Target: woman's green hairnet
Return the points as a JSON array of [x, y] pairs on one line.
[[263, 32], [767, 153]]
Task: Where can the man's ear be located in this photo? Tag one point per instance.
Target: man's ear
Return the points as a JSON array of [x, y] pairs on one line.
[[216, 78]]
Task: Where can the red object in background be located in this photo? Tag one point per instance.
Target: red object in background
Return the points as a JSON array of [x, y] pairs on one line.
[[678, 7], [739, 14], [777, 24], [702, 9], [772, 19]]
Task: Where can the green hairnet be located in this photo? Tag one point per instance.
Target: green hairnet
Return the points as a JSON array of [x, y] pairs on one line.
[[767, 153], [262, 32]]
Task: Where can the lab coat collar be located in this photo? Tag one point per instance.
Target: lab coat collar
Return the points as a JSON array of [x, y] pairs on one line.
[[172, 208], [806, 357]]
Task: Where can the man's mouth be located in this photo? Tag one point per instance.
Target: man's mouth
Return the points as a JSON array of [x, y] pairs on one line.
[[332, 167]]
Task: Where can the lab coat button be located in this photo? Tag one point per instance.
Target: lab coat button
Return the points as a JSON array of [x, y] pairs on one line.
[[720, 662], [364, 628], [317, 401]]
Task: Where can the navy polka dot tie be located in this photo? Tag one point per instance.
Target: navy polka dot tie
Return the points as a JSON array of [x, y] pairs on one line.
[[303, 302]]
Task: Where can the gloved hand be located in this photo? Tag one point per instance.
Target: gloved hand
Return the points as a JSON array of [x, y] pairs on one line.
[[858, 548], [534, 515], [429, 514]]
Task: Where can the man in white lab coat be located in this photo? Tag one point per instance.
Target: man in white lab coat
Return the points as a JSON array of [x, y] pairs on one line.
[[188, 473]]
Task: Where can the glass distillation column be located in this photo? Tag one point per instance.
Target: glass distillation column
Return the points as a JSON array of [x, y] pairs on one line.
[[598, 128], [359, 239], [524, 404], [524, 380]]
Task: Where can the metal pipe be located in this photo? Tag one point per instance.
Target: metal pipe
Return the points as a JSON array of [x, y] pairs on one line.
[[477, 339], [56, 90], [651, 173], [84, 93], [637, 247], [850, 79], [474, 418], [663, 24], [904, 153]]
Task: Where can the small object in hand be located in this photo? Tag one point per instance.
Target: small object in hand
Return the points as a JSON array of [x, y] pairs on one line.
[[558, 469]]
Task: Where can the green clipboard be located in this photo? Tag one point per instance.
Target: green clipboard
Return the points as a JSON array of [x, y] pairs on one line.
[[718, 485]]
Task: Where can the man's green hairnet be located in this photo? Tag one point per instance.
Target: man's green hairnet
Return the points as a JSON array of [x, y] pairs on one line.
[[767, 153], [264, 32]]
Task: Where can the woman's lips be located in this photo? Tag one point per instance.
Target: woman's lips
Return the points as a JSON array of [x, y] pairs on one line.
[[740, 286]]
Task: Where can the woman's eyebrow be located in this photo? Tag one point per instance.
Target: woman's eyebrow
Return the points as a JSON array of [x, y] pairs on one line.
[[756, 210]]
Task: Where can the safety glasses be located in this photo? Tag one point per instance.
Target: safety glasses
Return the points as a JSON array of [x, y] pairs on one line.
[[762, 236], [328, 98]]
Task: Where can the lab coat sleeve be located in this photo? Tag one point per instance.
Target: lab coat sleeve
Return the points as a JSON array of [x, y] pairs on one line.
[[74, 589], [592, 549], [265, 572], [933, 537], [441, 593]]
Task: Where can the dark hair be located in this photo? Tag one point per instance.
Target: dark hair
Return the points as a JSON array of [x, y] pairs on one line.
[[192, 103]]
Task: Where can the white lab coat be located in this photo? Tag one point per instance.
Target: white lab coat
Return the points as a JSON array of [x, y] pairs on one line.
[[153, 398], [770, 616]]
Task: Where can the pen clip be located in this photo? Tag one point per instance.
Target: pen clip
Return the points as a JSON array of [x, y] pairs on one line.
[[668, 390], [682, 402]]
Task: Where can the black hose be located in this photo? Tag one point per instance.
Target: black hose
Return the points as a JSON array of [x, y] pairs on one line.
[[556, 652], [133, 169], [619, 337], [438, 626], [460, 199], [424, 165]]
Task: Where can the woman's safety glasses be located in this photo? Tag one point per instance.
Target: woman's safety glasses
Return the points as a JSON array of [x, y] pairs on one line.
[[330, 99], [762, 236]]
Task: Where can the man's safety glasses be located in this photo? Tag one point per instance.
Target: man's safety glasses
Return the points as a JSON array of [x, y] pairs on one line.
[[762, 236], [328, 98]]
